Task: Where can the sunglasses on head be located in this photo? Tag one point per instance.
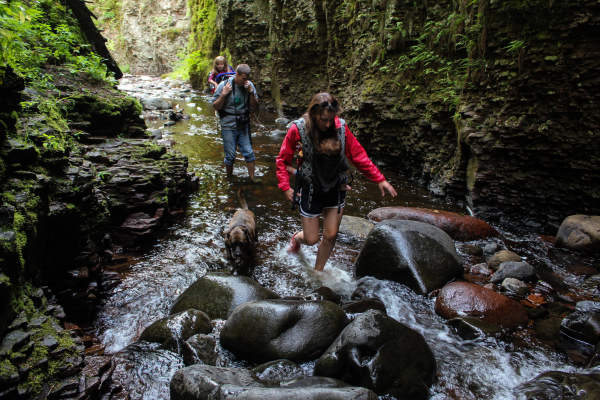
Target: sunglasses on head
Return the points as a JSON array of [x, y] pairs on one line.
[[333, 105]]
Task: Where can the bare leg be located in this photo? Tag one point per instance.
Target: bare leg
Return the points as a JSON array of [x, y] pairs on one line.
[[331, 225], [250, 166], [310, 231]]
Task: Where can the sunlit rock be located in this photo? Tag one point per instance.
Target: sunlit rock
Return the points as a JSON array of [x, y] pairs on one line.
[[296, 330], [218, 294], [513, 269], [355, 228], [515, 287], [460, 227], [173, 330], [410, 252], [502, 256], [468, 299], [580, 232], [378, 352], [208, 382]]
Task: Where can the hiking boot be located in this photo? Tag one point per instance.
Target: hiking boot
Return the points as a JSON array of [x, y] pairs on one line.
[[294, 245]]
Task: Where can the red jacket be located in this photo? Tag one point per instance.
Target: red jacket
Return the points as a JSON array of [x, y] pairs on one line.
[[354, 152]]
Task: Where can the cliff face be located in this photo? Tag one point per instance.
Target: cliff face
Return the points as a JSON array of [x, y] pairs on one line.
[[145, 37], [492, 103]]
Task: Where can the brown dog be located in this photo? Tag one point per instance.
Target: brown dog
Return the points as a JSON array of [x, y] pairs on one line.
[[241, 238]]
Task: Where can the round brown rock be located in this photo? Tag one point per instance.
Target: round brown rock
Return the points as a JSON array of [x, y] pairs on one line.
[[468, 299], [459, 227]]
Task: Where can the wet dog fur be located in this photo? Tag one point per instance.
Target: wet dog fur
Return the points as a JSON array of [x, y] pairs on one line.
[[241, 238]]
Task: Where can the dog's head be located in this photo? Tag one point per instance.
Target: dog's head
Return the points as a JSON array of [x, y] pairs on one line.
[[240, 247]]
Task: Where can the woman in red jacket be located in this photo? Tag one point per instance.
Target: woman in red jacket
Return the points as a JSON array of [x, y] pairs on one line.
[[325, 144]]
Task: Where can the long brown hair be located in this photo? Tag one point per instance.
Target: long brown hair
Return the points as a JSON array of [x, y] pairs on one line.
[[224, 60], [318, 103]]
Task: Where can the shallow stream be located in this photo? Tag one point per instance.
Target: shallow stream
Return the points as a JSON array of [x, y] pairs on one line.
[[467, 369]]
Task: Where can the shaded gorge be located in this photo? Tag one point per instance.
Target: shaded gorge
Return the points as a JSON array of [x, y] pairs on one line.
[[143, 289]]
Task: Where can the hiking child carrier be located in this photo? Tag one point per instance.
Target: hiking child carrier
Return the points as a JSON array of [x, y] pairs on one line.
[[242, 120], [320, 172]]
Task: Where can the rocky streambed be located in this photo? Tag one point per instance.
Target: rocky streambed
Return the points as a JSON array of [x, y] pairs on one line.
[[429, 303]]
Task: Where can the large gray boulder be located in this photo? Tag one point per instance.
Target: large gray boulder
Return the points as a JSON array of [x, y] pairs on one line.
[[580, 232], [296, 330], [218, 294], [208, 382], [379, 353], [173, 330], [416, 254], [355, 228]]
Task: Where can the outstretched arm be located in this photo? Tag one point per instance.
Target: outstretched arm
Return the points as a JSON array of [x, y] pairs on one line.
[[357, 154]]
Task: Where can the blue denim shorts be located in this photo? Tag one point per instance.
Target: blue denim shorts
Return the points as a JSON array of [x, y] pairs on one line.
[[232, 139]]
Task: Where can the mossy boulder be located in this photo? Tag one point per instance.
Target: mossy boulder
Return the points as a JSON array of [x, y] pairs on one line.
[[218, 294]]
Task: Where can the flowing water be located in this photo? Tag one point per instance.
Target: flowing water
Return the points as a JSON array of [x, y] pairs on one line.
[[467, 369]]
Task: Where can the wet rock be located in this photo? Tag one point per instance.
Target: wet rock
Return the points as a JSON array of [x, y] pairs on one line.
[[490, 248], [13, 340], [513, 269], [514, 286], [468, 299], [200, 349], [218, 294], [49, 342], [472, 328], [203, 381], [296, 330], [16, 151], [65, 388], [363, 305], [557, 385], [377, 352], [273, 372], [471, 250], [580, 232], [500, 257], [410, 252], [459, 227], [591, 286], [481, 269], [9, 374], [582, 325], [588, 306], [281, 121], [173, 330], [324, 293], [355, 228], [155, 103]]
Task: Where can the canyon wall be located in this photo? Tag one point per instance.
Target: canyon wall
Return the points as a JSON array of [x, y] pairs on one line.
[[491, 103]]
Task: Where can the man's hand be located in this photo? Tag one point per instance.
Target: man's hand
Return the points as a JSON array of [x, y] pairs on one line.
[[385, 185], [248, 86], [226, 89]]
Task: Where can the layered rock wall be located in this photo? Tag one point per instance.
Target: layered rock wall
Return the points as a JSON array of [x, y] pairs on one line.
[[492, 103], [145, 37]]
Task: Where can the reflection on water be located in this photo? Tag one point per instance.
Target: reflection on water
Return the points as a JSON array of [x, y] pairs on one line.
[[467, 369]]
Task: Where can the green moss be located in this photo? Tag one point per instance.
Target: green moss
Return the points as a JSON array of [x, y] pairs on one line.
[[21, 237], [8, 197], [196, 65], [471, 173]]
